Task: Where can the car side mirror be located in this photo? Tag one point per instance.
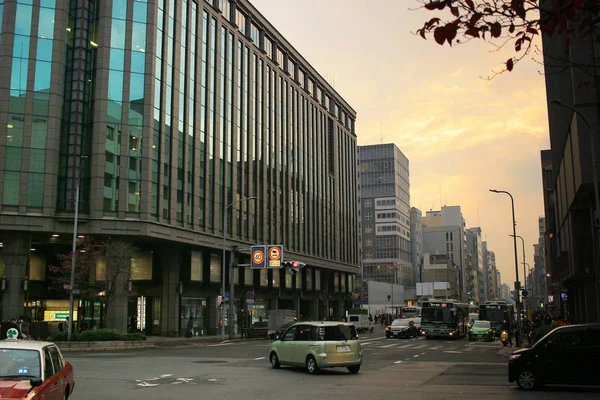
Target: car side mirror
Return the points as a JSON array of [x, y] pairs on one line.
[[34, 382]]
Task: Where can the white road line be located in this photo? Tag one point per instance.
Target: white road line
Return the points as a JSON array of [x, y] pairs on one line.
[[453, 352], [405, 346], [259, 358], [437, 347], [416, 355], [366, 344], [371, 339], [220, 344], [420, 346], [387, 345], [397, 362]]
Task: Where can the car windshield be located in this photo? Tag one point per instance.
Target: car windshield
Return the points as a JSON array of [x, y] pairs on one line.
[[400, 322], [19, 364], [482, 324], [436, 315]]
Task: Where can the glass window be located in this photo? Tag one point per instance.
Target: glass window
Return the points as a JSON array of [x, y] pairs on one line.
[[240, 21], [46, 25], [56, 359], [224, 6], [310, 86], [304, 333], [23, 20], [268, 47], [215, 268], [318, 279], [138, 61], [280, 58], [309, 279], [48, 367], [196, 266], [117, 34], [17, 361], [288, 281], [255, 34], [291, 68], [290, 334], [248, 276], [140, 11], [115, 86], [138, 38], [264, 277], [42, 76], [276, 278]]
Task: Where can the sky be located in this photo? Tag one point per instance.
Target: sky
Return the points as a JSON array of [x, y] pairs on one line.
[[462, 134]]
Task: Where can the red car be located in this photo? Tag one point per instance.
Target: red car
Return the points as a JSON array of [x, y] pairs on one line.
[[34, 370]]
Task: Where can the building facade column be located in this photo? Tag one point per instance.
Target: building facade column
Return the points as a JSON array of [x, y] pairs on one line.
[[15, 254], [170, 264]]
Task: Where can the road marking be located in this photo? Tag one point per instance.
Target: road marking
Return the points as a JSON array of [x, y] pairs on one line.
[[469, 348], [397, 362], [365, 344], [405, 346], [371, 339], [259, 358], [420, 346], [437, 347], [453, 352], [220, 344], [387, 345], [416, 355]]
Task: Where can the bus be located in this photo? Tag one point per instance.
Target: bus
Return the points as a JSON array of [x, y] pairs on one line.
[[497, 312], [444, 319], [410, 312]]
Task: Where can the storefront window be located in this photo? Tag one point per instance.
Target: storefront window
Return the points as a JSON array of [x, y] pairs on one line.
[[196, 266], [248, 276], [343, 282], [336, 282], [141, 266], [258, 311], [196, 308], [309, 279], [264, 277], [318, 280], [37, 268], [275, 281], [299, 280], [288, 280]]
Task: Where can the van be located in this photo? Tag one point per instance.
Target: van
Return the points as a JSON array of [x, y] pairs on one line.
[[361, 322]]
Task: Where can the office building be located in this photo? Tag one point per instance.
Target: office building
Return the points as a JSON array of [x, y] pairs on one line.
[[385, 214], [171, 118]]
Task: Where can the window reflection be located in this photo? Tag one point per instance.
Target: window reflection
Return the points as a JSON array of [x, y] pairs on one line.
[[138, 41], [115, 86], [117, 59], [138, 62], [23, 20], [117, 34], [140, 11], [46, 25], [42, 76]]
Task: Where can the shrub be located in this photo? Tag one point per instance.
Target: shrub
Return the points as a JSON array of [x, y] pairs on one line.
[[99, 335], [541, 331]]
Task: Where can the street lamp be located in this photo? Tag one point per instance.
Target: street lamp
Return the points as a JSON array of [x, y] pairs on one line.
[[524, 263], [74, 249], [223, 288], [559, 102], [517, 283]]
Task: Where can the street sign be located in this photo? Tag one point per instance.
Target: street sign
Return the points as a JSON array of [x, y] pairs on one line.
[[525, 293], [12, 333], [275, 254], [249, 295], [66, 286], [258, 256]]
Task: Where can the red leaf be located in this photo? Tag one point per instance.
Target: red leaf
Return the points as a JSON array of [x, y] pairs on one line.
[[435, 5], [518, 44], [421, 32], [518, 6], [511, 29], [475, 18], [533, 31], [496, 29], [509, 64], [454, 11], [472, 31], [439, 34], [470, 4]]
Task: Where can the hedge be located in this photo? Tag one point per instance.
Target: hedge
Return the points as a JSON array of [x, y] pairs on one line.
[[99, 335], [540, 332]]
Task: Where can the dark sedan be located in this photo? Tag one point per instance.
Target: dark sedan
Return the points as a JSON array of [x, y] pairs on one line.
[[273, 335]]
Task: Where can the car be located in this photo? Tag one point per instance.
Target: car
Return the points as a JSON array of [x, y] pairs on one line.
[[568, 355], [482, 330], [317, 345], [420, 331], [34, 370], [273, 335], [402, 328]]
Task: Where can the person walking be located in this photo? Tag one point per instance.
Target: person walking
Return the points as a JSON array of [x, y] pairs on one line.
[[189, 331]]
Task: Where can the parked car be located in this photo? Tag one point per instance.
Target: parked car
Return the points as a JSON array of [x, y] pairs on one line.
[[274, 335], [482, 330], [569, 355], [401, 328], [317, 345], [34, 370]]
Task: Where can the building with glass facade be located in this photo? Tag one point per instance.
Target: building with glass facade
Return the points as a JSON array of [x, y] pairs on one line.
[[167, 114], [385, 214]]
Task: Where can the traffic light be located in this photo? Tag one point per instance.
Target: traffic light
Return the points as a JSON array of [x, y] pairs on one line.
[[220, 300], [293, 266]]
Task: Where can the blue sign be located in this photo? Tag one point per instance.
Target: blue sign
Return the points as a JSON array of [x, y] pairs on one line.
[[23, 371], [226, 294], [525, 293], [249, 294]]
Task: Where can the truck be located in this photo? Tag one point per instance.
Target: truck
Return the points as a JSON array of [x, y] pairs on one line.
[[360, 319], [277, 319]]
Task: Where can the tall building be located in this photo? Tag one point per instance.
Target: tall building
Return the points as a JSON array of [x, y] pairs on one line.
[[485, 278], [538, 284], [476, 268], [170, 118], [385, 211], [416, 243], [492, 276], [574, 237], [444, 233]]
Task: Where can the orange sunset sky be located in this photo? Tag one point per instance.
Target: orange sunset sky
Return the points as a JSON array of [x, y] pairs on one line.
[[463, 135]]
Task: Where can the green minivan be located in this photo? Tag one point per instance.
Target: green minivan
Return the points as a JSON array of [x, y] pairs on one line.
[[317, 345]]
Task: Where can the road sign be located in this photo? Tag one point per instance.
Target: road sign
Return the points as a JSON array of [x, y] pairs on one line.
[[66, 286], [249, 295], [275, 254], [12, 333], [258, 256], [525, 293]]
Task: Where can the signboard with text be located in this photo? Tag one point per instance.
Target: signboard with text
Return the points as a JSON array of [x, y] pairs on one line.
[[258, 256], [274, 255]]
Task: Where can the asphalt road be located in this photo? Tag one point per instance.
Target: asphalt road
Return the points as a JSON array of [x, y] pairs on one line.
[[427, 369]]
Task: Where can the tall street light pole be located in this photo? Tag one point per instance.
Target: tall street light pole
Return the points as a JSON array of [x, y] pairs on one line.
[[559, 102], [524, 270], [517, 283], [223, 286], [74, 249]]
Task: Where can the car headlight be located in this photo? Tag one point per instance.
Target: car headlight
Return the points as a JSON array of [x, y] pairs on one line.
[[514, 356]]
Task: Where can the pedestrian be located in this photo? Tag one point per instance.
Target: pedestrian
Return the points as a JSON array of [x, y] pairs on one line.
[[189, 332]]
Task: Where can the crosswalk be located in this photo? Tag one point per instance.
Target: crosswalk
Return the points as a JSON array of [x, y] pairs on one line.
[[421, 344]]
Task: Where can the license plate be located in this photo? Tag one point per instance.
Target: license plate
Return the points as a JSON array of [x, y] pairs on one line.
[[396, 333], [343, 348]]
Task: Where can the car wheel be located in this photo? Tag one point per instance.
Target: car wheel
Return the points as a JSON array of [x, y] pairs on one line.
[[527, 380], [371, 329], [354, 369], [274, 361], [311, 365]]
